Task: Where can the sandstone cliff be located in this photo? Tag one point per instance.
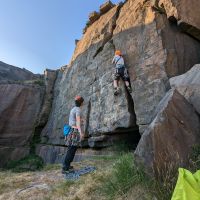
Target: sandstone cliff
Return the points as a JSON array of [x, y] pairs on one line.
[[25, 104], [159, 40], [12, 73], [20, 105], [155, 49]]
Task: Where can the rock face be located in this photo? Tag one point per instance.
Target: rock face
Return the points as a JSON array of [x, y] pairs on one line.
[[93, 17], [50, 77], [11, 73], [168, 141], [106, 7], [157, 40], [19, 109], [185, 12], [154, 50], [25, 105], [188, 85]]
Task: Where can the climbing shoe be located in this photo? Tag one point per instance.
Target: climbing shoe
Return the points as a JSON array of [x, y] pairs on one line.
[[116, 91], [65, 171], [71, 167], [129, 89]]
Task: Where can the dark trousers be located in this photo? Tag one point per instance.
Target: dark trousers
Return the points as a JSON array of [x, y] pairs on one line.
[[71, 150]]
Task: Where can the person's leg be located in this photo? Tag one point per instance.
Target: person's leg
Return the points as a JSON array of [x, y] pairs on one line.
[[116, 81], [127, 84], [126, 79], [116, 87], [71, 150]]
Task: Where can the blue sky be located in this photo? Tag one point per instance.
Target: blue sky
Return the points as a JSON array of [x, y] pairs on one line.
[[39, 34]]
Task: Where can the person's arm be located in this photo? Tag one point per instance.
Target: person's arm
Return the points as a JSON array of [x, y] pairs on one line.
[[113, 61], [78, 124]]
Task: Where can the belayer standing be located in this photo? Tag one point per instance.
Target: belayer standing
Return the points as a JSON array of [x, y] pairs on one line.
[[120, 71], [76, 134]]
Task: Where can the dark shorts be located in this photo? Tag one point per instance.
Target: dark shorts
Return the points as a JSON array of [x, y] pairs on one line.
[[121, 72]]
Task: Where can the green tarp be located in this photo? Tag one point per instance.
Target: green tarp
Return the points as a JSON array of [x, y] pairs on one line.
[[188, 186]]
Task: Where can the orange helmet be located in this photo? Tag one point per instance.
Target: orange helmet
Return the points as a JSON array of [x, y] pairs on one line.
[[77, 98], [118, 53]]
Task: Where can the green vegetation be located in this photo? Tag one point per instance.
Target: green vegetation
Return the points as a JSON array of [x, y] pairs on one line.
[[121, 147], [50, 167], [28, 163], [165, 186], [124, 176], [39, 82], [62, 188], [195, 158], [7, 182], [117, 177], [36, 138]]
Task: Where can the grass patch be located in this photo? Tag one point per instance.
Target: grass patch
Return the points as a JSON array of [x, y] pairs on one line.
[[10, 181], [195, 158], [105, 158], [28, 163], [121, 147], [50, 167], [163, 189], [125, 175], [62, 189], [39, 82], [117, 177]]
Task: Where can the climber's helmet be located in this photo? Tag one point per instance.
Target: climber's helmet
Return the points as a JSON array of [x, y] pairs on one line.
[[118, 53], [79, 101]]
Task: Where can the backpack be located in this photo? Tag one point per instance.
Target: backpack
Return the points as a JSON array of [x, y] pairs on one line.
[[66, 129]]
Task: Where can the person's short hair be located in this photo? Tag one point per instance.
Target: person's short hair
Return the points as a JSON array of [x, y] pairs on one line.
[[78, 101]]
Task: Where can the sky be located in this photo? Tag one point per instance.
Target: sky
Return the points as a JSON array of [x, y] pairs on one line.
[[40, 34]]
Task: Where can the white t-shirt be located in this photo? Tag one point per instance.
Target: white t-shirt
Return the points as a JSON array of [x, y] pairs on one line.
[[118, 61]]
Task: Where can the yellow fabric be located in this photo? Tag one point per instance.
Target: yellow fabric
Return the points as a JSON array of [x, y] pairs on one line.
[[187, 186]]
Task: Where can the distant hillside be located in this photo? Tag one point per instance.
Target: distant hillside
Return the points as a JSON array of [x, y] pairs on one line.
[[12, 73]]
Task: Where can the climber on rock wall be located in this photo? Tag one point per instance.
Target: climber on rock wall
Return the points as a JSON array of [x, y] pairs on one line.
[[120, 71], [75, 136]]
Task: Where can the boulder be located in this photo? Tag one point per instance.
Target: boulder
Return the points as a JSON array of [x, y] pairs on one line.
[[188, 85], [168, 141], [185, 12], [93, 17], [106, 7], [12, 153], [20, 107]]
